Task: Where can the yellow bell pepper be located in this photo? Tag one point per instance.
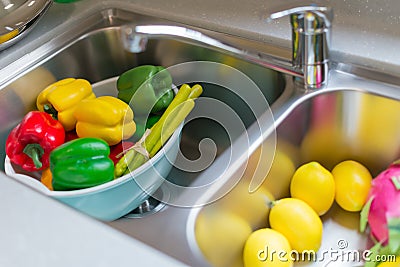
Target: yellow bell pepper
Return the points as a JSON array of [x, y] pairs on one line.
[[47, 178], [61, 98], [105, 117]]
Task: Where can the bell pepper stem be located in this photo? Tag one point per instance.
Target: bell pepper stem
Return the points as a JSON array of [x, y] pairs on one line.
[[49, 109], [35, 152]]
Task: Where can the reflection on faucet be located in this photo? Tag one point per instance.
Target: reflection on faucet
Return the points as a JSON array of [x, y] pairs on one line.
[[310, 43]]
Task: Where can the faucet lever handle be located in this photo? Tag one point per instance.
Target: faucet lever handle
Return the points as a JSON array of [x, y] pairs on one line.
[[324, 14], [310, 41]]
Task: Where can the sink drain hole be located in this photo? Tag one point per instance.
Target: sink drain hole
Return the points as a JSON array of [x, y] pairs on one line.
[[151, 205]]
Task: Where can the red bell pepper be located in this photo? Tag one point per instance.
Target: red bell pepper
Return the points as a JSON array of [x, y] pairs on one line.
[[116, 150], [29, 144], [71, 135]]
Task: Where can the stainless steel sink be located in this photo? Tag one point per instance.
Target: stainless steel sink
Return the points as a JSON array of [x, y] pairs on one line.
[[281, 126], [95, 52]]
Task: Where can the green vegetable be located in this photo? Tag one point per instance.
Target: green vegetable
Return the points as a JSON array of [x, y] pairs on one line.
[[141, 126], [171, 123], [176, 112], [147, 89], [81, 163], [152, 120]]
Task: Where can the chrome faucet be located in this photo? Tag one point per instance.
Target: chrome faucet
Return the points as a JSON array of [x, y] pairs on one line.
[[310, 36]]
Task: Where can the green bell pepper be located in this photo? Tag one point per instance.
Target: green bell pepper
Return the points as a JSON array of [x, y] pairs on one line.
[[81, 163], [142, 126], [147, 89]]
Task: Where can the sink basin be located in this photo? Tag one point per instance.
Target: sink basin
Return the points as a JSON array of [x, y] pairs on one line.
[[328, 128]]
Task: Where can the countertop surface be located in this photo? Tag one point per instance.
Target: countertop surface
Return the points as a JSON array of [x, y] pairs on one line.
[[365, 32], [37, 231]]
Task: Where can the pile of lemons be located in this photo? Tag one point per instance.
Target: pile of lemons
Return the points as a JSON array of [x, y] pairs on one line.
[[295, 223]]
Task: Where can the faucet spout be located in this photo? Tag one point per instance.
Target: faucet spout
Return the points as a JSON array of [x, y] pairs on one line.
[[310, 60], [135, 38]]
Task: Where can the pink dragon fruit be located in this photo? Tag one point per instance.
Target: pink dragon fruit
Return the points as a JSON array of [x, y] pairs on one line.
[[382, 211]]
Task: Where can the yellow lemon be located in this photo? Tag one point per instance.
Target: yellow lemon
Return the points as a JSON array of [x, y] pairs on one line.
[[298, 222], [315, 185], [353, 182], [252, 207], [280, 175], [267, 248], [395, 263], [220, 236], [275, 179]]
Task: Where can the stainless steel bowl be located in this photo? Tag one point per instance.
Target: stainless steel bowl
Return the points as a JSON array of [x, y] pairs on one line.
[[18, 17]]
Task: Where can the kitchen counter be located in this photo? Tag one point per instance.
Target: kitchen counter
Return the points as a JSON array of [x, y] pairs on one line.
[[38, 231], [364, 33]]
